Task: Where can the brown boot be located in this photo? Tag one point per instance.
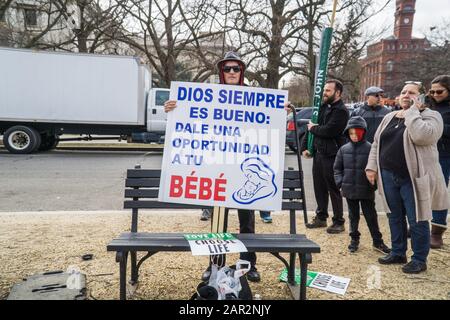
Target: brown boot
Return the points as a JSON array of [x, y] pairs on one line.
[[436, 237]]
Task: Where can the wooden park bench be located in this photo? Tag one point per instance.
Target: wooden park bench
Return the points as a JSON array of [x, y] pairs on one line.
[[141, 192]]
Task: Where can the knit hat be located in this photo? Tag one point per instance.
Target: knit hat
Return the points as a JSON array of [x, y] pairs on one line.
[[356, 122], [231, 56]]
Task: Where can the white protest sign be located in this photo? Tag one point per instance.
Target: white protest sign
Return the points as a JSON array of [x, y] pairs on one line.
[[330, 283], [207, 244], [321, 281], [224, 146]]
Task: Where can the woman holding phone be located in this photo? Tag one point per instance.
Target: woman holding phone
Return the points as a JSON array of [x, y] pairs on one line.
[[404, 160]]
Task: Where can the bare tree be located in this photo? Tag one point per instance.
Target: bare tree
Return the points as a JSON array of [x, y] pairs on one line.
[[278, 37], [171, 32], [89, 26], [299, 91], [426, 64], [70, 25], [268, 33], [4, 4], [5, 32], [25, 24]]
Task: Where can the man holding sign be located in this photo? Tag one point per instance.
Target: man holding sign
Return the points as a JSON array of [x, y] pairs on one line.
[[225, 123], [328, 138]]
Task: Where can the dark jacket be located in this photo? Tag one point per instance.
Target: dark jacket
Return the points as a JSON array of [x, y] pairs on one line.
[[350, 165], [373, 117], [328, 137], [444, 142]]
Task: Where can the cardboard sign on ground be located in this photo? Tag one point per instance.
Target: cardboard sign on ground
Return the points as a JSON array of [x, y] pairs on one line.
[[321, 281]]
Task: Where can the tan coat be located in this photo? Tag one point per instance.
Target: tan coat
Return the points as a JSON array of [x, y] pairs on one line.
[[423, 130]]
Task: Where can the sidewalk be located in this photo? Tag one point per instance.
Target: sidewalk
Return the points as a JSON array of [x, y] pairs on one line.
[[33, 242]]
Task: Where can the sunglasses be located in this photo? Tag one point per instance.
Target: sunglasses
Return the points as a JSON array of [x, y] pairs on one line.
[[377, 95], [418, 83], [228, 69], [438, 92]]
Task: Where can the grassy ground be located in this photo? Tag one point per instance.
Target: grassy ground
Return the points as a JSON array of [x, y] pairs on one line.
[[38, 242]]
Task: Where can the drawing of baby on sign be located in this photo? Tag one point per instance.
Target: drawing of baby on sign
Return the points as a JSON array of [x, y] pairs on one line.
[[260, 182]]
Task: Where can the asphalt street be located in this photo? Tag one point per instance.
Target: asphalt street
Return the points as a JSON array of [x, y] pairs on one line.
[[87, 180]]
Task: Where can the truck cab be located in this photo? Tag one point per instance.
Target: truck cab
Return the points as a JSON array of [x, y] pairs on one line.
[[156, 117]]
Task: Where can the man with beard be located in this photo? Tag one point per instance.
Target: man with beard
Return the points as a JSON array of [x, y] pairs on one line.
[[328, 138]]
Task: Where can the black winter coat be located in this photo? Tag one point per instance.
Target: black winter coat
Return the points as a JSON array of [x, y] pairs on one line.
[[373, 117], [444, 143], [328, 134], [349, 171]]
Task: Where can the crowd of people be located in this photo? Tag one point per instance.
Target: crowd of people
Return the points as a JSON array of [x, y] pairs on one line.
[[403, 153]]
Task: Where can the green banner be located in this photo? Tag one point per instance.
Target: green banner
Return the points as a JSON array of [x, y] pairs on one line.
[[209, 236], [310, 276], [319, 80]]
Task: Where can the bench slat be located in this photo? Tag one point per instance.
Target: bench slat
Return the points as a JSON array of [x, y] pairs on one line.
[[154, 182], [176, 242], [130, 204], [291, 205], [153, 193], [291, 174], [143, 173], [287, 184], [141, 193], [155, 173], [148, 204], [145, 182]]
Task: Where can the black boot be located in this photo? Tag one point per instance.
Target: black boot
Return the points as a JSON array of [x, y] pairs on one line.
[[392, 259], [253, 275], [414, 267], [353, 246], [317, 223]]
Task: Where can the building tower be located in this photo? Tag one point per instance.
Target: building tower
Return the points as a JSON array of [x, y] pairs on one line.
[[382, 65], [404, 16]]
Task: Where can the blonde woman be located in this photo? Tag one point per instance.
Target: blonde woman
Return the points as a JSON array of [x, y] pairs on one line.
[[404, 160]]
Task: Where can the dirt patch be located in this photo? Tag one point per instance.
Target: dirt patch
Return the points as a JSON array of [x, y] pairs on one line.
[[33, 243]]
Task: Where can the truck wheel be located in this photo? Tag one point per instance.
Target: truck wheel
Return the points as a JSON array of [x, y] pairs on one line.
[[21, 139], [48, 142]]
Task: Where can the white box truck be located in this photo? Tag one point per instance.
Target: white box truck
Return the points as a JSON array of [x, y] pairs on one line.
[[46, 94]]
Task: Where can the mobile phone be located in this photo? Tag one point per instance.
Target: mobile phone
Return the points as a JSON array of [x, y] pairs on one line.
[[421, 98]]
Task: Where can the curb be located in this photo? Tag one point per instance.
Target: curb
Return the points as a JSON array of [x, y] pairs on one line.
[[107, 147]]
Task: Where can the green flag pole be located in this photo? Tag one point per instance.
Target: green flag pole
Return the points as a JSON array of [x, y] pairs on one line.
[[321, 74]]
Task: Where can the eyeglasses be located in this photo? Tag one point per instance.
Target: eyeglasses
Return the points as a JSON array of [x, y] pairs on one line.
[[228, 69], [438, 92]]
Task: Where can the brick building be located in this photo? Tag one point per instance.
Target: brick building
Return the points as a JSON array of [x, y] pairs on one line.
[[379, 66]]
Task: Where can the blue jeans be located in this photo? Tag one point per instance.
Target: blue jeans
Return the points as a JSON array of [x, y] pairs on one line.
[[400, 199], [440, 216]]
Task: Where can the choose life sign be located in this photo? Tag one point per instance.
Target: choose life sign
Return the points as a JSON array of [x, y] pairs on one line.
[[214, 243], [224, 146]]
